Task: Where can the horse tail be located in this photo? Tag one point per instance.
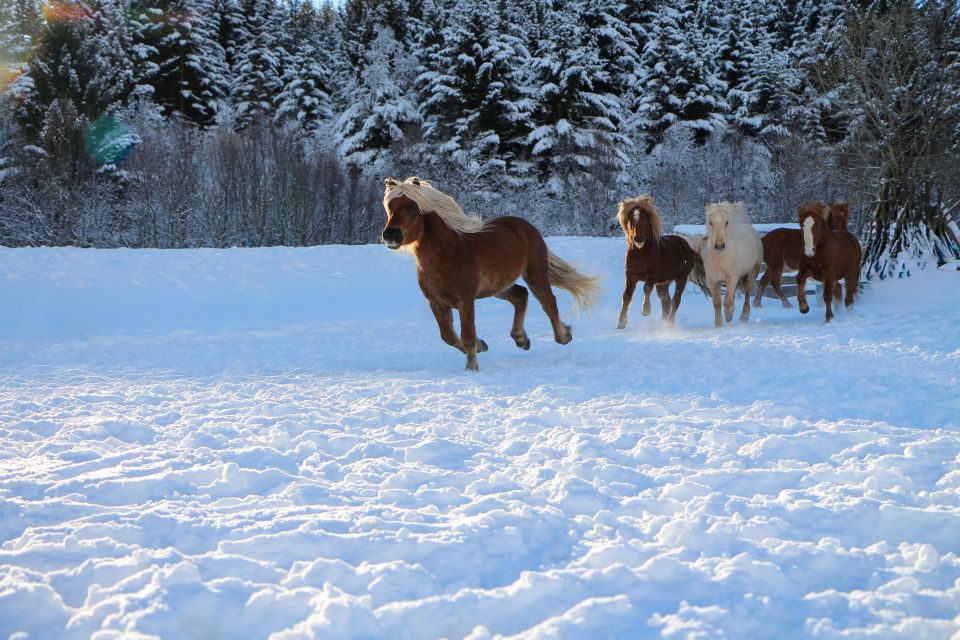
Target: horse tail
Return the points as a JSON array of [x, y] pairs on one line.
[[698, 274], [584, 289]]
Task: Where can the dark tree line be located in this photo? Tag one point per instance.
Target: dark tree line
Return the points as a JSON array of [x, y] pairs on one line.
[[223, 122]]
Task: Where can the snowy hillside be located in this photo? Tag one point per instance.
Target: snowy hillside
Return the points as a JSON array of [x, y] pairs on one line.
[[239, 443]]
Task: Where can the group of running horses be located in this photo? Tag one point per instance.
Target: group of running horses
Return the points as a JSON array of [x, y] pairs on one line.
[[461, 258]]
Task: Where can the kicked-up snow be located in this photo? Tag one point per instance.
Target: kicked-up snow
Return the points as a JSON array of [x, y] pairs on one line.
[[259, 443]]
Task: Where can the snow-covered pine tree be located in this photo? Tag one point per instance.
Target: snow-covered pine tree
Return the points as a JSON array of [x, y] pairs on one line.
[[381, 109], [679, 79], [307, 77], [259, 62], [472, 106], [178, 53], [574, 126], [79, 58], [19, 24]]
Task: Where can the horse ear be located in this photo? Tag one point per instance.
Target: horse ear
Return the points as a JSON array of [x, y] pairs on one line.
[[390, 182], [416, 181]]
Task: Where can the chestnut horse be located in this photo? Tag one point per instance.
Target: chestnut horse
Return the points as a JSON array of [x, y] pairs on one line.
[[656, 259], [731, 253], [828, 256], [460, 258], [782, 249]]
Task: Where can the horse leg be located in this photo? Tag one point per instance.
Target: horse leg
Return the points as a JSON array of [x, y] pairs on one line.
[[728, 299], [776, 279], [679, 285], [852, 283], [468, 333], [629, 287], [444, 316], [829, 282], [715, 294], [748, 284], [647, 290], [802, 291], [540, 287], [517, 296], [663, 292], [764, 281]]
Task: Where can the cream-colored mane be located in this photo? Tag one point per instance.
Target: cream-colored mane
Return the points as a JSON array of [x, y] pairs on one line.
[[642, 202], [428, 198], [732, 211]]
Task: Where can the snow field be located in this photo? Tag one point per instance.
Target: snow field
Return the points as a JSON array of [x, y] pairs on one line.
[[275, 442]]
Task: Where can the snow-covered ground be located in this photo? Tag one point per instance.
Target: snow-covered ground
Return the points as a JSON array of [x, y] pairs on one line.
[[239, 443]]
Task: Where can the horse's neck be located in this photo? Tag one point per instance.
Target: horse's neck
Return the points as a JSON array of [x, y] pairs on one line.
[[436, 239]]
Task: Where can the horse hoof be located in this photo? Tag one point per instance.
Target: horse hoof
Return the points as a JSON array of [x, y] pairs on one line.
[[565, 339], [473, 367], [728, 316], [787, 305], [804, 310], [481, 346], [645, 312], [622, 324], [524, 343]]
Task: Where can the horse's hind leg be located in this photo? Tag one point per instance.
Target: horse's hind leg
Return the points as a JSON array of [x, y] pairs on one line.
[[852, 283], [540, 288], [775, 279], [764, 281], [679, 285], [517, 296], [663, 292], [748, 283], [629, 287]]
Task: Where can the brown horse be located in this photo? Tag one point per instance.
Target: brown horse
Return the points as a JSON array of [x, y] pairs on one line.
[[827, 256], [782, 249], [460, 258], [656, 259]]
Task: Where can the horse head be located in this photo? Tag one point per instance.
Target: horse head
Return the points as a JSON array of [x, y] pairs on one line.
[[838, 215], [640, 221], [812, 216], [404, 225]]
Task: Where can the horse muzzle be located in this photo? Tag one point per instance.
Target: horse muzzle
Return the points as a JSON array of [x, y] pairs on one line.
[[392, 237], [719, 247], [809, 254]]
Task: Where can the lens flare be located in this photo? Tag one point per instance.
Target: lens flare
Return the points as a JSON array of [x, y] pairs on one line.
[[64, 12], [108, 140], [8, 75]]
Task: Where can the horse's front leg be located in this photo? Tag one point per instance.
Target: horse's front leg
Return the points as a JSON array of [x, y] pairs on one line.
[[731, 284], [444, 316], [802, 276], [630, 285], [663, 292], [468, 333], [829, 282], [715, 294], [647, 290]]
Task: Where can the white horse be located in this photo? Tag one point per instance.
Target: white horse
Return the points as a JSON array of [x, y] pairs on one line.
[[732, 253]]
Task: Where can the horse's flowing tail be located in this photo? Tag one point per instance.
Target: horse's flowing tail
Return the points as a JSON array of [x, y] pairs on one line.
[[698, 275], [584, 289]]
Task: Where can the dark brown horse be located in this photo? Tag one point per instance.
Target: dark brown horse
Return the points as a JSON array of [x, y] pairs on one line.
[[655, 259], [782, 249], [827, 256], [460, 258]]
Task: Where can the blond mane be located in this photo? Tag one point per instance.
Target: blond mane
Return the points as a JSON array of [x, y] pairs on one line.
[[631, 206], [430, 199], [732, 211]]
